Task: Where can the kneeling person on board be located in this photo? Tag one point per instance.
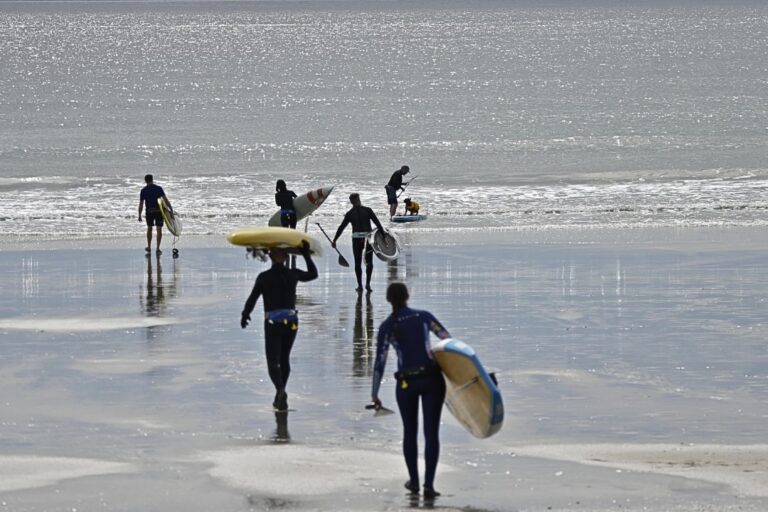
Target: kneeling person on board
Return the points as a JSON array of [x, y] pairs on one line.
[[418, 378], [360, 217], [150, 195], [284, 199], [281, 320], [395, 183], [411, 207]]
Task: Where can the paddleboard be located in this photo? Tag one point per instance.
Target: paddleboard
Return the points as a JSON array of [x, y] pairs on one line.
[[472, 397], [265, 238], [407, 218], [385, 244], [305, 205], [172, 221]]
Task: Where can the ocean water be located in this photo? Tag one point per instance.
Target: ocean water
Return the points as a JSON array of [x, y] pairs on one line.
[[512, 118]]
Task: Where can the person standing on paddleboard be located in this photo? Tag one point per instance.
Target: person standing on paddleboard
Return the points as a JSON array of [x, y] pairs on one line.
[[150, 195], [284, 199], [281, 320], [418, 378], [360, 217], [395, 184]]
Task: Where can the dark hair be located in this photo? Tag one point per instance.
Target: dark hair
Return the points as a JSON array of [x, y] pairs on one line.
[[405, 168], [280, 185], [148, 178], [397, 294], [354, 198]]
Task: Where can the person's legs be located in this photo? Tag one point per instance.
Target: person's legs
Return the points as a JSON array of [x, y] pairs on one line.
[[272, 349], [432, 406], [358, 244], [408, 403], [149, 236], [368, 265], [159, 236]]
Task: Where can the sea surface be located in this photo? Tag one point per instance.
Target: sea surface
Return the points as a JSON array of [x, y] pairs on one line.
[[511, 118]]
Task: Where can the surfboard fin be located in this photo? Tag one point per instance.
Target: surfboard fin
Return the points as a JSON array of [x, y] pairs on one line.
[[492, 375]]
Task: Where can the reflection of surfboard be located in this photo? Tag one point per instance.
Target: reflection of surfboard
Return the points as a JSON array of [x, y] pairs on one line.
[[472, 396], [305, 204], [407, 218], [265, 238], [172, 222], [384, 244]]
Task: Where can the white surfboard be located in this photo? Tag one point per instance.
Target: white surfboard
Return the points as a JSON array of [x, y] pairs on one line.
[[172, 221], [305, 204], [408, 218], [472, 396], [385, 244]]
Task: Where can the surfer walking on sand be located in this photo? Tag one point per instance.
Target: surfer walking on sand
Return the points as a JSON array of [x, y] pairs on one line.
[[418, 378], [395, 184], [360, 217], [281, 320], [284, 199], [150, 195]]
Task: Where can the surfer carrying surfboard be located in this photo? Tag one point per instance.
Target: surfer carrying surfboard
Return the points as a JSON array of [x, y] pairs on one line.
[[395, 184], [284, 199], [281, 320], [360, 217], [150, 195], [418, 378]]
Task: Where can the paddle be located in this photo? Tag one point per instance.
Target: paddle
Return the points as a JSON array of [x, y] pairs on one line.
[[381, 411], [342, 261], [406, 186]]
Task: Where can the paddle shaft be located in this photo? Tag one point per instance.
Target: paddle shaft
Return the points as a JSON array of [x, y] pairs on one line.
[[406, 186], [342, 260]]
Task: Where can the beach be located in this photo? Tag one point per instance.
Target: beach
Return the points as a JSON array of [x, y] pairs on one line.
[[632, 366]]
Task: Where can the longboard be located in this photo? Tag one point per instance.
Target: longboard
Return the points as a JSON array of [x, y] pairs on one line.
[[305, 204], [171, 220], [472, 396], [385, 244], [265, 238]]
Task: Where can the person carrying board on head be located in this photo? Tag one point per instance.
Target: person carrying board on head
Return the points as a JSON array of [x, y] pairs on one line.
[[418, 378], [281, 320], [360, 217], [395, 184], [150, 195], [284, 199]]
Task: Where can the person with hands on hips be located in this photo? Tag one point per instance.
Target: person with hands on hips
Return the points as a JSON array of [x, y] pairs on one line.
[[418, 378], [281, 320]]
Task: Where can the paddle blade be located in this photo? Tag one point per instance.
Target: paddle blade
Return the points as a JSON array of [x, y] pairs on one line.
[[343, 261]]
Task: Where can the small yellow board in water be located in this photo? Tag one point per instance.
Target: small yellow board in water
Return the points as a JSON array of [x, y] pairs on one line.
[[266, 238]]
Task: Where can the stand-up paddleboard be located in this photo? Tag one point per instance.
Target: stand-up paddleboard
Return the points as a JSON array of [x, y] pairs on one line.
[[171, 221], [305, 205], [384, 244], [407, 218], [265, 238], [472, 396]]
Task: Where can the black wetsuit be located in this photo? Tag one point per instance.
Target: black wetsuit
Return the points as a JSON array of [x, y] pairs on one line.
[[360, 217], [284, 200], [281, 322], [418, 378]]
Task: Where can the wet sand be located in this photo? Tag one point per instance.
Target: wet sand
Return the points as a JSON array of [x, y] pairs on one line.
[[633, 367]]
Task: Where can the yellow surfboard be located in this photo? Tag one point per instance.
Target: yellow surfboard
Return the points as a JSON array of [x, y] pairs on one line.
[[265, 238], [172, 222]]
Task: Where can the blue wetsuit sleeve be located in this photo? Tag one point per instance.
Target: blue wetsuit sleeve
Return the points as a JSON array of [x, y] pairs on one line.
[[436, 327], [382, 350]]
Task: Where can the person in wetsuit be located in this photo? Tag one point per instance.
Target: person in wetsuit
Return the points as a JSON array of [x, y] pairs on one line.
[[395, 183], [284, 199], [360, 217], [281, 321], [149, 195], [418, 378]]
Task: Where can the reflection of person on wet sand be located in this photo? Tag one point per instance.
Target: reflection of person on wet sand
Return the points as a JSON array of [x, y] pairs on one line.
[[155, 297], [362, 342]]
